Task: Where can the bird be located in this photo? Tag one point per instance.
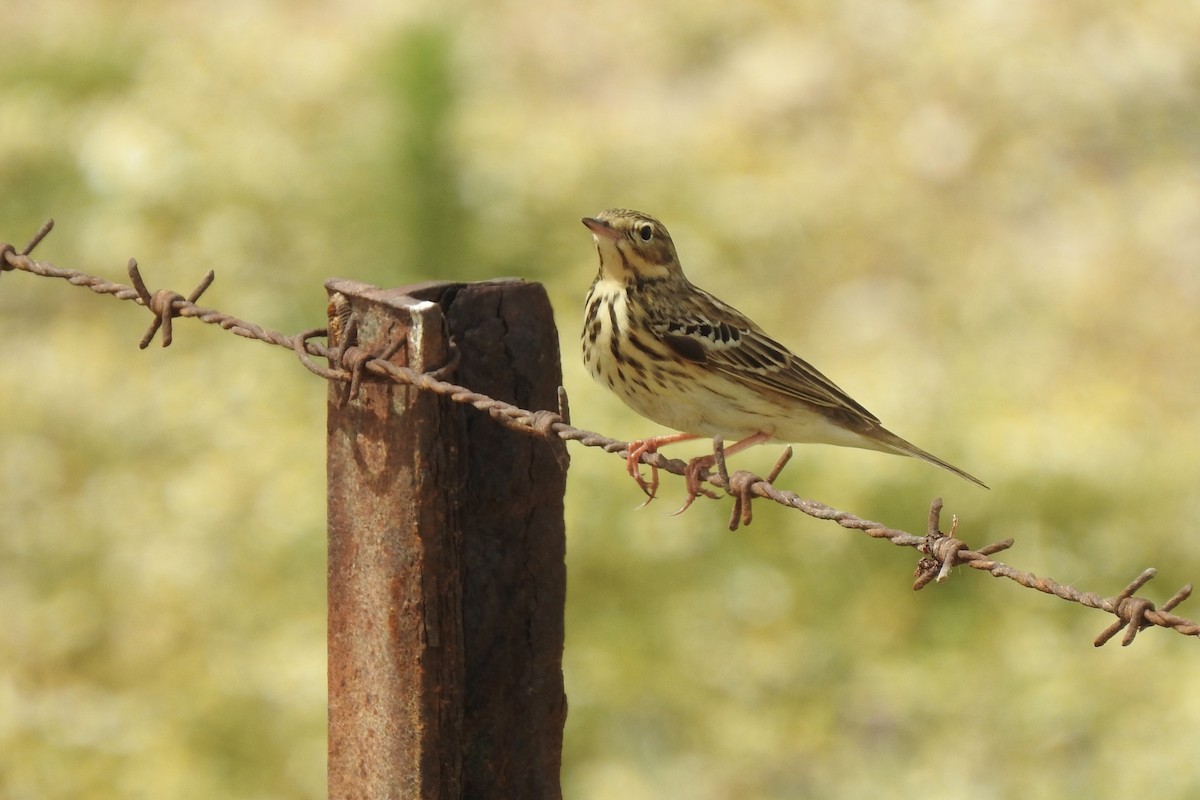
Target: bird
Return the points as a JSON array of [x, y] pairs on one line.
[[687, 360]]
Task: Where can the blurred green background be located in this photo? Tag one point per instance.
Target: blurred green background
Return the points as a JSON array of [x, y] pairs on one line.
[[982, 219]]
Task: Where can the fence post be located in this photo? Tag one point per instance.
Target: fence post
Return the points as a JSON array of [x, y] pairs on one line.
[[446, 544]]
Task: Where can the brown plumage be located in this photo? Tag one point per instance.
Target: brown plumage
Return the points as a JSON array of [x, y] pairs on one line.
[[684, 359]]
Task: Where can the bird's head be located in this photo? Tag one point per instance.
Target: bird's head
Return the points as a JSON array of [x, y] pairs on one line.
[[633, 247]]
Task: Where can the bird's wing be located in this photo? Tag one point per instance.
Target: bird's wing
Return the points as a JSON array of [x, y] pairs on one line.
[[725, 340]]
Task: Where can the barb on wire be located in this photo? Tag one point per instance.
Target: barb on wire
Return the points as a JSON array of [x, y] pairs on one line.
[[163, 303], [348, 363], [6, 248]]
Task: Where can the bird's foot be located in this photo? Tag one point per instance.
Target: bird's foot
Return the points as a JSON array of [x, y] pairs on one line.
[[633, 466], [693, 477], [698, 468], [639, 448]]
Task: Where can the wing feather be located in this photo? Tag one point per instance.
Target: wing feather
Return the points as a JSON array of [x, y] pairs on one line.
[[725, 340]]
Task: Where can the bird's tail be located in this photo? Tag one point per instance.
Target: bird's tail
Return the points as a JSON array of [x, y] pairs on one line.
[[893, 443]]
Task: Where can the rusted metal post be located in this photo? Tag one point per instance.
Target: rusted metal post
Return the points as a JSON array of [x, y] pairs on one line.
[[446, 544]]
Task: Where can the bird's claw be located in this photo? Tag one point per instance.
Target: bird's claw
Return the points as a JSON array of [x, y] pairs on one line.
[[633, 466], [693, 477]]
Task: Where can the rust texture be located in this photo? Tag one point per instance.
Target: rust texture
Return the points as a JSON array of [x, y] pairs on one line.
[[446, 574]]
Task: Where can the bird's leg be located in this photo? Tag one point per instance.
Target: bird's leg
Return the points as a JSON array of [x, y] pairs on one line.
[[638, 448], [693, 479]]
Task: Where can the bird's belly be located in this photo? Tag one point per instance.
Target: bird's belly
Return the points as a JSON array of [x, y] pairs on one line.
[[708, 405], [667, 394]]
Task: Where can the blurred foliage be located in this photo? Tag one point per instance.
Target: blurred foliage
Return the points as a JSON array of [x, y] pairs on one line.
[[980, 218]]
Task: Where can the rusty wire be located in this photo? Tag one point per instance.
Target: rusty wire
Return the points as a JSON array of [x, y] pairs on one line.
[[941, 552]]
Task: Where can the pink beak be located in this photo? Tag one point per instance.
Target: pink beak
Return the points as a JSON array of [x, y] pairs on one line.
[[599, 227]]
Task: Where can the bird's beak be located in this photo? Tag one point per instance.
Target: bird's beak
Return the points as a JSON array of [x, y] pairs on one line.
[[599, 228]]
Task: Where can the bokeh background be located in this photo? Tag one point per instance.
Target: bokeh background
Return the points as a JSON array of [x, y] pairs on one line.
[[980, 218]]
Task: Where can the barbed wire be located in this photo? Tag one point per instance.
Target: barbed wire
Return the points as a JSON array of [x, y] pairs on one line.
[[941, 551]]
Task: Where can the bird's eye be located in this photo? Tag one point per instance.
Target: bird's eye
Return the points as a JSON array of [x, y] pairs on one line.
[[646, 231]]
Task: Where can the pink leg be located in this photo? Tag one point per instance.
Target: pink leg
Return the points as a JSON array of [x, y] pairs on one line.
[[698, 465], [639, 447]]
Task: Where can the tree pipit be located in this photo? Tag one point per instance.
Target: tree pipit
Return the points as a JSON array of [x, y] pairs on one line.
[[686, 360]]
